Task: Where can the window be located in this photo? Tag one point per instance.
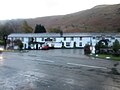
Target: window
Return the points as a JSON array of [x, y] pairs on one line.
[[80, 38], [31, 39], [67, 43], [98, 37], [93, 37], [80, 44], [54, 39], [64, 38], [48, 39], [72, 38], [112, 37], [42, 39], [35, 39], [22, 39]]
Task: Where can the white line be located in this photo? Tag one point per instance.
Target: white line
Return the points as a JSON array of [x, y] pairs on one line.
[[45, 60], [48, 61], [86, 65]]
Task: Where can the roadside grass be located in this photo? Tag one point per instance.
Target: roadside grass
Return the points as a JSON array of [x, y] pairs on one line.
[[103, 56]]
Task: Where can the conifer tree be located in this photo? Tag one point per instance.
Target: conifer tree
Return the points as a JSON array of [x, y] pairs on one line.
[[39, 29]]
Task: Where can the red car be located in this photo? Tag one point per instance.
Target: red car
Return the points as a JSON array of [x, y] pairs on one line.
[[46, 47]]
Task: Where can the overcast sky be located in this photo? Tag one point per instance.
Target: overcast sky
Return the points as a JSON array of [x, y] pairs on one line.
[[12, 9]]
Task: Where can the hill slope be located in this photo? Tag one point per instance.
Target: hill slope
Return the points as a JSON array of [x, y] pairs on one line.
[[102, 18]]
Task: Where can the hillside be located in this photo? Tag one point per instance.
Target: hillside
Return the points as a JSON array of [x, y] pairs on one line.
[[102, 18]]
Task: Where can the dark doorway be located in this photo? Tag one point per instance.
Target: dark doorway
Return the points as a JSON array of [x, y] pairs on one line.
[[37, 47]]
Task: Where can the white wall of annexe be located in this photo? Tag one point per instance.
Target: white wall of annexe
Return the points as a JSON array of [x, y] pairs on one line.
[[68, 40]]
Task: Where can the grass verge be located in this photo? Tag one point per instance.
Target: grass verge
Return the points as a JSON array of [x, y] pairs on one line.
[[103, 56]]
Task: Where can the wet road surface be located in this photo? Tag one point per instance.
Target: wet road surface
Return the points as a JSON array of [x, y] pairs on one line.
[[57, 69]]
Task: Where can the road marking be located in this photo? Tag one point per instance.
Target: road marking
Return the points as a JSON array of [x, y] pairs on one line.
[[48, 61], [45, 60], [86, 65]]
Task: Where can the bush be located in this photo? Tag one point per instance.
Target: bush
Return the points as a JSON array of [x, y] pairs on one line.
[[103, 51], [1, 42], [116, 45], [87, 49], [101, 47], [117, 54], [18, 43]]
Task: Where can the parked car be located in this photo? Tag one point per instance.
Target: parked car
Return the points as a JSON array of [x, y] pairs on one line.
[[45, 47]]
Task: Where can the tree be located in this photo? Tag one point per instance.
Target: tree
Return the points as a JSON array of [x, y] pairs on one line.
[[19, 43], [1, 42], [101, 46], [39, 29], [15, 25], [87, 49], [5, 29], [103, 43], [116, 45], [26, 28], [97, 48]]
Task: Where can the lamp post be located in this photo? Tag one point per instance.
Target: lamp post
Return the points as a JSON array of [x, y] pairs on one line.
[[5, 41]]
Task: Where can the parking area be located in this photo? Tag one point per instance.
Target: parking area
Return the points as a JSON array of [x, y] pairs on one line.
[[58, 69]]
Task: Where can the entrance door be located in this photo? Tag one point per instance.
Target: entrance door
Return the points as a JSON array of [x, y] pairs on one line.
[[37, 47]]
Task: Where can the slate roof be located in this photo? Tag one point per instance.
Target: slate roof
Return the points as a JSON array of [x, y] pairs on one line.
[[64, 34]]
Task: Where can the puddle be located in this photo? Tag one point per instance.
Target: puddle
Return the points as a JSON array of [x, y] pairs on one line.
[[69, 81], [114, 71], [97, 70]]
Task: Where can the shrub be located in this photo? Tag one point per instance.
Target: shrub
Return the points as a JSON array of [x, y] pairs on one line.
[[19, 43], [1, 42], [87, 49], [117, 53], [116, 45]]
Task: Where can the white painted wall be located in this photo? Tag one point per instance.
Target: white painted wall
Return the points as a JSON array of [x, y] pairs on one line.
[[57, 42], [58, 45], [38, 39], [59, 39]]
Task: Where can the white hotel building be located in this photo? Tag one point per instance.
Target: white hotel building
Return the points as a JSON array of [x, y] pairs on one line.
[[67, 40]]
